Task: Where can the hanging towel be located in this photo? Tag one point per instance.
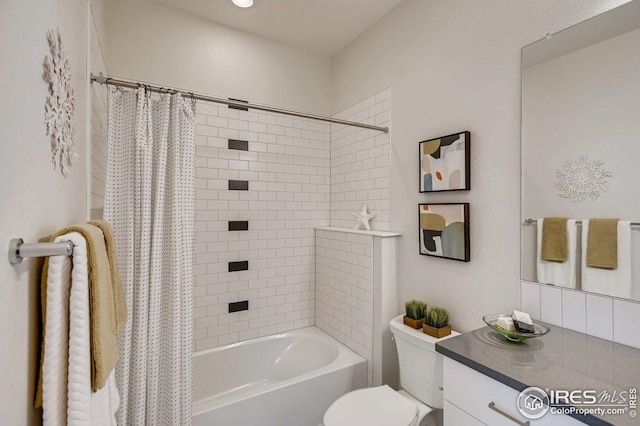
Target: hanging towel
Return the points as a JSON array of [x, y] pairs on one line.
[[104, 306], [118, 291], [555, 247], [612, 282], [67, 397], [602, 243], [561, 274]]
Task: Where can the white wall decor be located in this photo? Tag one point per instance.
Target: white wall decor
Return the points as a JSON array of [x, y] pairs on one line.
[[363, 218], [582, 178], [60, 104]]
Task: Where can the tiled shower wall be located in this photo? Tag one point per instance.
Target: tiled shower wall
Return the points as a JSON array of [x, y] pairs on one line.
[[98, 122], [286, 170], [360, 163], [344, 290]]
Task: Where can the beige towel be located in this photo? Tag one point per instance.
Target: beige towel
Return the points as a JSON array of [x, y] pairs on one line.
[[602, 243], [118, 291], [554, 239], [107, 307]]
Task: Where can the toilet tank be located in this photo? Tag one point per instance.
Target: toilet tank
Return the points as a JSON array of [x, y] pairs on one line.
[[420, 364]]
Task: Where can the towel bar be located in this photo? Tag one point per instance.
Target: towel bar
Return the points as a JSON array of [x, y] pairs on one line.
[[18, 250], [534, 221]]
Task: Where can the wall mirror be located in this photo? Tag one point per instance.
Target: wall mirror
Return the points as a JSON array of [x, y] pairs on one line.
[[581, 149]]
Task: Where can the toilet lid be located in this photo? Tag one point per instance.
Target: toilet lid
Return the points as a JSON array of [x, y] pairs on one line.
[[379, 406]]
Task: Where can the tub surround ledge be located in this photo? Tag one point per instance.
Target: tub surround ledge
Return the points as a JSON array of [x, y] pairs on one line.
[[561, 360], [373, 233]]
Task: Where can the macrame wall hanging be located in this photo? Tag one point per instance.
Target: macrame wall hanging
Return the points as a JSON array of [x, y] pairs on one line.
[[60, 104], [581, 179]]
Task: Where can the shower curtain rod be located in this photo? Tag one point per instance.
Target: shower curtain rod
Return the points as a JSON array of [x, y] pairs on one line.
[[230, 102]]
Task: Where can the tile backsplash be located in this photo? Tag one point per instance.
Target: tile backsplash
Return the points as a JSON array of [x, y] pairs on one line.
[[360, 163], [344, 290], [596, 315], [264, 181], [262, 186]]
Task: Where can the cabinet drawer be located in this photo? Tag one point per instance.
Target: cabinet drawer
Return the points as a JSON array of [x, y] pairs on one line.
[[453, 416], [472, 392]]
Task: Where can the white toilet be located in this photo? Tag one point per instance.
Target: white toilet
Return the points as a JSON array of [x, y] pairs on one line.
[[420, 379]]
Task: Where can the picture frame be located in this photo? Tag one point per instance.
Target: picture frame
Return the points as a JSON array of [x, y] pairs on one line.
[[444, 163], [444, 230]]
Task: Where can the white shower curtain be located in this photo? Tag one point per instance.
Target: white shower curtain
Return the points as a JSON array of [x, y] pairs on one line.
[[149, 201]]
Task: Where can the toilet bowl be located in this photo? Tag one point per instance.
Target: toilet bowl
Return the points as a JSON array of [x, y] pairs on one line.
[[413, 405], [377, 406]]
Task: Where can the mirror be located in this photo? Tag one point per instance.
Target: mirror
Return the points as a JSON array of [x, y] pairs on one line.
[[581, 146]]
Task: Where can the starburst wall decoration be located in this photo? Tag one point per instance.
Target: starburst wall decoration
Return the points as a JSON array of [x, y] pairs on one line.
[[582, 178], [60, 104]]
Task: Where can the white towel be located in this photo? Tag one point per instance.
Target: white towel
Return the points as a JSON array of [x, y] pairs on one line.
[[561, 274], [612, 282], [66, 392]]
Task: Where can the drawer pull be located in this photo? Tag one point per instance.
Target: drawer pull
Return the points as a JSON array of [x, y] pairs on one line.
[[492, 405]]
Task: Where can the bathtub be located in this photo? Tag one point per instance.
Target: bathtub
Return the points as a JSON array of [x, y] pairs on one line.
[[288, 379]]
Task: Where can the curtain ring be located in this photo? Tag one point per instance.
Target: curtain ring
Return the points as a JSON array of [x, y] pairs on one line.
[[107, 83]]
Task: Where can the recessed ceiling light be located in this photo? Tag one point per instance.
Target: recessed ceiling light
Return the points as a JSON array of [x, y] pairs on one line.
[[243, 3]]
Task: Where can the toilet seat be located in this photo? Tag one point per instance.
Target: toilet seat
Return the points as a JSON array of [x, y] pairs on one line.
[[379, 406]]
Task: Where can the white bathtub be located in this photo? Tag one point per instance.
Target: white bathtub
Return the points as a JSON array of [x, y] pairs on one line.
[[288, 379]]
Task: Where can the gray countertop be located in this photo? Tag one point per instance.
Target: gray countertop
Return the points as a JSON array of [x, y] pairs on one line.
[[561, 360]]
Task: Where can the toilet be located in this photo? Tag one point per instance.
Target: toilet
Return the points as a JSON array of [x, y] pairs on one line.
[[420, 381]]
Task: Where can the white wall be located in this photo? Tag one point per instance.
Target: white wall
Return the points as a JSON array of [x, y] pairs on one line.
[[451, 66], [35, 200], [158, 45]]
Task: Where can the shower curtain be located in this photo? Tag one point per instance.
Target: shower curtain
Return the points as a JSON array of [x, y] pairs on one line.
[[149, 201]]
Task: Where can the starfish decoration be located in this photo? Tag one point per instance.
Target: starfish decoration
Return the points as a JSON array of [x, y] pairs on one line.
[[363, 218]]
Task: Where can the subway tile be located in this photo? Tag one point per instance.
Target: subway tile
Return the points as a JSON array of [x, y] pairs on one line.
[[626, 317], [599, 316], [574, 310], [551, 305], [292, 168], [530, 299]]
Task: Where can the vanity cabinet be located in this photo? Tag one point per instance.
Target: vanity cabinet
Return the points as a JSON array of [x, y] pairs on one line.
[[468, 395]]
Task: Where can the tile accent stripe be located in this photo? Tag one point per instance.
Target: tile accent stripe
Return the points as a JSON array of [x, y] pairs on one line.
[[239, 306], [238, 145], [238, 185], [238, 225], [239, 266]]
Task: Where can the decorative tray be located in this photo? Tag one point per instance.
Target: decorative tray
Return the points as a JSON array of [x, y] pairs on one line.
[[514, 336]]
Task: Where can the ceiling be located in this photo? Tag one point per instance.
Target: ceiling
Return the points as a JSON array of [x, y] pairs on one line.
[[320, 26]]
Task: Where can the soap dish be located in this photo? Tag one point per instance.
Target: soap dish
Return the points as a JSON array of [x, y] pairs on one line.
[[514, 336]]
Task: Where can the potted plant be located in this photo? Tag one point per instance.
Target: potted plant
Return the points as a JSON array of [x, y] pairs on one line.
[[437, 322], [415, 310]]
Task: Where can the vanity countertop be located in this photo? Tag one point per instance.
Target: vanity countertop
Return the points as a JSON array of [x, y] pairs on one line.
[[561, 360]]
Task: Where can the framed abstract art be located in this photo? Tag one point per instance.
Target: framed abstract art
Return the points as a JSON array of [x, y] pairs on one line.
[[444, 230], [444, 163]]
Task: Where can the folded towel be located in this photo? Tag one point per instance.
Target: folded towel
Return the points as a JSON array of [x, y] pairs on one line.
[[554, 239], [612, 282], [561, 274], [67, 395], [118, 291], [106, 307], [602, 243]]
